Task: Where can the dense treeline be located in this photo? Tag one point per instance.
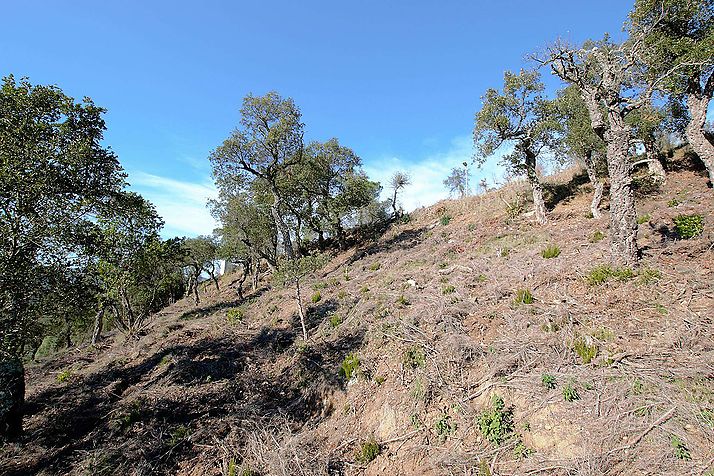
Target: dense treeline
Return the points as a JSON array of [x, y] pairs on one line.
[[81, 254]]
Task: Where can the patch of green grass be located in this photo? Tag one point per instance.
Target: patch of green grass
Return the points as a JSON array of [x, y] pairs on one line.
[[680, 448], [319, 285], [570, 393], [496, 423], [708, 417], [445, 219], [414, 357], [368, 451], [521, 451], [551, 251], [450, 289], [335, 320], [341, 294], [585, 349], [648, 276], [64, 376], [472, 227], [603, 334], [481, 278], [419, 390], [364, 289], [643, 219], [673, 203], [603, 273], [597, 236], [444, 427], [380, 379], [402, 301], [523, 296], [375, 266], [350, 367], [234, 315], [315, 298], [688, 226], [548, 381]]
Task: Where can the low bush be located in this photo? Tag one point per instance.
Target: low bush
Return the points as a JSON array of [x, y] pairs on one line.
[[603, 273], [548, 381], [315, 298], [523, 296], [368, 451], [552, 251], [444, 427], [350, 367], [414, 357], [450, 289], [585, 349], [570, 393], [597, 236], [688, 226], [496, 423], [445, 219]]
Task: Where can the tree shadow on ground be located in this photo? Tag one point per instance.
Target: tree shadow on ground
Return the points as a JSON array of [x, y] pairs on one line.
[[405, 240], [316, 314], [142, 415], [204, 311], [555, 193]]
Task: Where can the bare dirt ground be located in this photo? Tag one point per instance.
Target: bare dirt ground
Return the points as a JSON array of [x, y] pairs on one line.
[[435, 313]]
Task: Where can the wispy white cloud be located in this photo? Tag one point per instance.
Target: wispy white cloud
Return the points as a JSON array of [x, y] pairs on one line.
[[182, 204], [427, 175]]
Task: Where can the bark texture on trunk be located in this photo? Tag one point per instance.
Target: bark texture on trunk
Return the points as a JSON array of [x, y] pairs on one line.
[[623, 216], [98, 325], [697, 103], [12, 397], [591, 169], [301, 311], [654, 166], [282, 227], [537, 187]]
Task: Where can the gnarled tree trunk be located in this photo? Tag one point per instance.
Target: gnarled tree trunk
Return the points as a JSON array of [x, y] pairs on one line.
[[282, 227], [654, 166], [591, 169], [537, 188], [697, 103], [12, 397], [98, 325], [623, 216]]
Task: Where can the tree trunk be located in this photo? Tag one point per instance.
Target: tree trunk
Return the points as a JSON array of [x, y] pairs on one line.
[[256, 270], [591, 169], [282, 227], [394, 203], [301, 311], [538, 203], [12, 397], [98, 325], [623, 216], [654, 166], [697, 103]]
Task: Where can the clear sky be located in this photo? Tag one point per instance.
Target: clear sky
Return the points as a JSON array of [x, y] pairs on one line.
[[398, 81]]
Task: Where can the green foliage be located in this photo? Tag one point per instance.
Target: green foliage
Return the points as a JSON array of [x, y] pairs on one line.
[[178, 435], [368, 451], [585, 349], [234, 315], [414, 357], [603, 273], [402, 301], [643, 219], [335, 320], [64, 376], [570, 393], [551, 251], [597, 236], [350, 367], [548, 381], [375, 266], [680, 448], [649, 276], [521, 451], [420, 390], [448, 289], [342, 294], [673, 203], [444, 427], [380, 379], [523, 296], [319, 285], [445, 219], [316, 297], [688, 226], [496, 423]]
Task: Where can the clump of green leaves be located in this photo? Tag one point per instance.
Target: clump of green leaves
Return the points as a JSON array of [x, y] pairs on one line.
[[548, 381], [123, 421], [64, 376], [603, 273], [445, 219], [414, 357], [368, 451], [335, 320], [234, 315], [521, 451], [570, 393], [450, 289], [316, 297], [551, 251], [444, 426], [375, 266], [523, 296], [597, 236], [585, 348], [496, 423], [688, 226], [380, 379], [673, 203], [350, 367], [178, 435], [643, 219], [680, 448]]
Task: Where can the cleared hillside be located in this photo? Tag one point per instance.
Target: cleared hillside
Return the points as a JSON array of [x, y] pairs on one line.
[[599, 371]]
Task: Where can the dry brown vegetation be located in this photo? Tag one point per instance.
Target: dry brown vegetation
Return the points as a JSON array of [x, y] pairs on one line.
[[436, 315]]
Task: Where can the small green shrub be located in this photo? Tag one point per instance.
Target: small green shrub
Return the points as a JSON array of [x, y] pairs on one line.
[[375, 266], [585, 349], [444, 427], [380, 379], [450, 289], [643, 219], [481, 278], [570, 393], [368, 451], [688, 226], [680, 449], [551, 251], [708, 417], [64, 376], [350, 367], [597, 236], [315, 298], [234, 315], [673, 203], [496, 424], [178, 435], [521, 451], [335, 320], [548, 381], [364, 289], [445, 220], [342, 294], [603, 273], [523, 296], [649, 276], [414, 357]]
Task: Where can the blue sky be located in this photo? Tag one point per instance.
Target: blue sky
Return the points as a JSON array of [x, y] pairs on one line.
[[398, 81]]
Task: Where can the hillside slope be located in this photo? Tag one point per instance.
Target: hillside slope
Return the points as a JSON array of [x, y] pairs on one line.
[[590, 378]]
